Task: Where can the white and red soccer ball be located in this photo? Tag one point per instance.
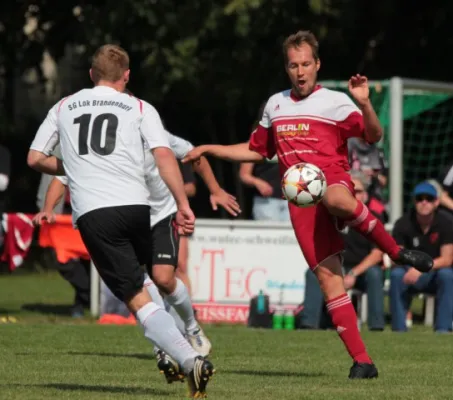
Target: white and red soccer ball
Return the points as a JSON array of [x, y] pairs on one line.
[[304, 185]]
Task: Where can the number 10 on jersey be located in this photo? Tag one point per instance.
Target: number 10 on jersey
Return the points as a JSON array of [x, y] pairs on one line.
[[96, 144]]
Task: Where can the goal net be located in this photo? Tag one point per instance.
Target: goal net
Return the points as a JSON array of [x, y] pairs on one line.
[[417, 117]]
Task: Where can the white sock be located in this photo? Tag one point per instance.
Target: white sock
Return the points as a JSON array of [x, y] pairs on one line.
[[161, 330], [163, 303], [157, 298], [178, 321], [180, 301], [154, 293]]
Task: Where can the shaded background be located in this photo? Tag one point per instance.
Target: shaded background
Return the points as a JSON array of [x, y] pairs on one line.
[[206, 65]]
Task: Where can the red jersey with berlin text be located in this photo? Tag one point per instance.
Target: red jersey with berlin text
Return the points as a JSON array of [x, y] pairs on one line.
[[313, 130]]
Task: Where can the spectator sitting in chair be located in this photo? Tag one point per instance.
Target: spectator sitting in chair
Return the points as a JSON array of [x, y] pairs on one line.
[[430, 230], [362, 265], [268, 202]]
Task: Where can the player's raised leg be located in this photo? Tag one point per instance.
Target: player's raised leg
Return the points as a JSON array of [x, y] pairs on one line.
[[344, 318], [343, 205]]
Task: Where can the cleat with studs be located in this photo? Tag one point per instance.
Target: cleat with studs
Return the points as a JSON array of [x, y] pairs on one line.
[[169, 368], [417, 259], [199, 377], [363, 371]]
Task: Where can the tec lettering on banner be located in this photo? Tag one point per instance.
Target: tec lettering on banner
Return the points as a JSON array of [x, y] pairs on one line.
[[228, 267], [226, 282]]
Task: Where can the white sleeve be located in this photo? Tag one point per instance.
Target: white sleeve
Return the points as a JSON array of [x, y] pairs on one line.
[[57, 152], [265, 120], [47, 136], [152, 130], [63, 179], [179, 146], [344, 107]]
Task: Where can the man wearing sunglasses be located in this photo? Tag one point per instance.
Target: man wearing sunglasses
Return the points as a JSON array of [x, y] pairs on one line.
[[430, 230]]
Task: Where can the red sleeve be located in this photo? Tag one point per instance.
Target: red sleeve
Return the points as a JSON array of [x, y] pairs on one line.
[[262, 142], [352, 126]]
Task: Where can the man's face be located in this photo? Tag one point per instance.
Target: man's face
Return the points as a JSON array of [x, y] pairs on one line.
[[302, 69], [425, 204], [359, 191]]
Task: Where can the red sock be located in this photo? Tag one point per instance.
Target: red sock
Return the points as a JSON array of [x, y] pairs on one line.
[[364, 222], [344, 319]]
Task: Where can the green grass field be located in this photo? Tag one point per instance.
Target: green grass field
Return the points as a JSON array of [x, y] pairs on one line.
[[46, 355]]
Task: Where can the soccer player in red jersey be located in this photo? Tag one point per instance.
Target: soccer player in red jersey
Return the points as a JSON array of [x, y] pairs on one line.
[[311, 124]]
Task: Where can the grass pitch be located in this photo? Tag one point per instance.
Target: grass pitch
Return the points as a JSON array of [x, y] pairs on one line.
[[46, 355]]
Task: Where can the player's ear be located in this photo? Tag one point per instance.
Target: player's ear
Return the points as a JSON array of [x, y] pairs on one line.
[[126, 75], [91, 74], [318, 64]]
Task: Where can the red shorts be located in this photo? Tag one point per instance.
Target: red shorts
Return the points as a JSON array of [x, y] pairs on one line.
[[315, 228]]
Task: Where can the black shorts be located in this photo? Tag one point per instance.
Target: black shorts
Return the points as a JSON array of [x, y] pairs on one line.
[[118, 240], [165, 242]]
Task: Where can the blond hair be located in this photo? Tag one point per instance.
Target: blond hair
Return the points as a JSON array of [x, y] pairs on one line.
[[297, 39], [109, 63]]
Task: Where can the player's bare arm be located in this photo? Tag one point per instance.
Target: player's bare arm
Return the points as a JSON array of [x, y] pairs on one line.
[[219, 197], [43, 163], [55, 193], [247, 178], [235, 152], [171, 174], [190, 189], [374, 258], [443, 261], [358, 87]]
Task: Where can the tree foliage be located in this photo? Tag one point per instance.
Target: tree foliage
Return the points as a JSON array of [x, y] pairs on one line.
[[208, 64]]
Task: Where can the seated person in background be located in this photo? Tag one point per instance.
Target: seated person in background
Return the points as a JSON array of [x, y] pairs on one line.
[[430, 230], [268, 203], [362, 266], [369, 159]]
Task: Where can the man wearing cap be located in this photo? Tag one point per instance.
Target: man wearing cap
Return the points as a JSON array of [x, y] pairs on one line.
[[430, 230]]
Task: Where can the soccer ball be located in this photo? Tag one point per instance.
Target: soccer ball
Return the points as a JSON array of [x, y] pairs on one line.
[[304, 185]]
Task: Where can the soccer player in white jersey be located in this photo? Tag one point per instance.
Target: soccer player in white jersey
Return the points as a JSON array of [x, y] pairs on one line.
[[311, 124], [103, 134], [165, 242]]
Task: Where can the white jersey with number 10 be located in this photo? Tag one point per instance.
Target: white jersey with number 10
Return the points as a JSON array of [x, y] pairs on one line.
[[103, 134]]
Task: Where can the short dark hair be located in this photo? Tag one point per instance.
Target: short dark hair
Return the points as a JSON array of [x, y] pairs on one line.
[[297, 39]]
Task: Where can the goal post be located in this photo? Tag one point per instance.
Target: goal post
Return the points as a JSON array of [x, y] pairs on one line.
[[417, 117]]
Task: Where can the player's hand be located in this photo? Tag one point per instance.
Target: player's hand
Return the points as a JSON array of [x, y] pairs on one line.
[[411, 276], [358, 87], [349, 281], [226, 200], [185, 220], [194, 154], [264, 188], [44, 216]]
